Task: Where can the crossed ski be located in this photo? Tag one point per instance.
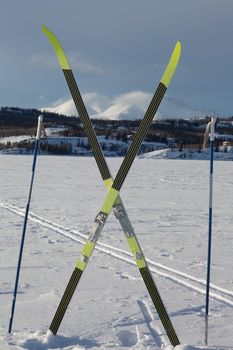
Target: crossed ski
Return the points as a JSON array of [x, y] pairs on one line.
[[113, 187]]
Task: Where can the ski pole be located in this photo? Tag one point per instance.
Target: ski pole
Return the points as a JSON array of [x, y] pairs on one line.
[[211, 127], [38, 135]]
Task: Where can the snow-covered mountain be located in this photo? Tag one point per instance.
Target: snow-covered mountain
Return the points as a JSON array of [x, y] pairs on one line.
[[129, 106]]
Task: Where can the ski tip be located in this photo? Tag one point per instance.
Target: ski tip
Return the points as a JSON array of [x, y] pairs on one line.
[[171, 67], [57, 48]]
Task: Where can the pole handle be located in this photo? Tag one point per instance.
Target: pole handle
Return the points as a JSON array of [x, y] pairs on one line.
[[212, 128], [39, 127]]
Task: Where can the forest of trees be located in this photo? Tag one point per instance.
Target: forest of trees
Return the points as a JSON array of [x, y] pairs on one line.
[[184, 133]]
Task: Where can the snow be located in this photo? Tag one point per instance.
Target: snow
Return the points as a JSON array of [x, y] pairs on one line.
[[168, 153], [224, 136], [55, 130], [111, 146], [13, 139], [167, 203]]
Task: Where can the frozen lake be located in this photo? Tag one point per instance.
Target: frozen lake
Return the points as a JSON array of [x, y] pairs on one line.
[[167, 202]]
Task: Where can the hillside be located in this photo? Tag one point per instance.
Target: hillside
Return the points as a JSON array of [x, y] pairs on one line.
[[65, 135]]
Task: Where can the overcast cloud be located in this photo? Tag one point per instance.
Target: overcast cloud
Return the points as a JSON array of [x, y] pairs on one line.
[[117, 47]]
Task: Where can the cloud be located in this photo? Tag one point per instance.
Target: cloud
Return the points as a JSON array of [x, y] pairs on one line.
[[42, 97], [158, 66], [83, 64], [138, 99], [42, 59], [94, 102], [98, 101], [77, 61]]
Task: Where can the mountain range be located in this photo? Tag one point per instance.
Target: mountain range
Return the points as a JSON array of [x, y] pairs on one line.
[[128, 106]]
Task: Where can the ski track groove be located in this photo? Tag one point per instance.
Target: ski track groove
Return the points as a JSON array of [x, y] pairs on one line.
[[154, 330], [164, 271]]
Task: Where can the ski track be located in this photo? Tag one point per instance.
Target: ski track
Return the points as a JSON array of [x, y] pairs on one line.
[[181, 278], [154, 330]]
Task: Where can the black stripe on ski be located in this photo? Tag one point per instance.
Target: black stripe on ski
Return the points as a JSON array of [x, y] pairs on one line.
[[74, 90], [71, 286], [137, 141], [154, 294]]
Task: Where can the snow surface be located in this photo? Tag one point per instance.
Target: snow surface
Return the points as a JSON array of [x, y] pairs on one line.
[[167, 203]]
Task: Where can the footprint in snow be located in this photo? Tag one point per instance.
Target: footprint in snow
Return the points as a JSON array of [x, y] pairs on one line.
[[127, 338], [39, 341]]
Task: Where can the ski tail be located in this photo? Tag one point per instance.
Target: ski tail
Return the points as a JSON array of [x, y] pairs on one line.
[[158, 303], [71, 286], [144, 270]]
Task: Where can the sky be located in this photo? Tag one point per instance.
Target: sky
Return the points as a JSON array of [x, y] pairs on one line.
[[116, 48]]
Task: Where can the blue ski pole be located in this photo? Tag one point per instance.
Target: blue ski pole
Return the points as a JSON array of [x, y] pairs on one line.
[[38, 134], [210, 126]]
